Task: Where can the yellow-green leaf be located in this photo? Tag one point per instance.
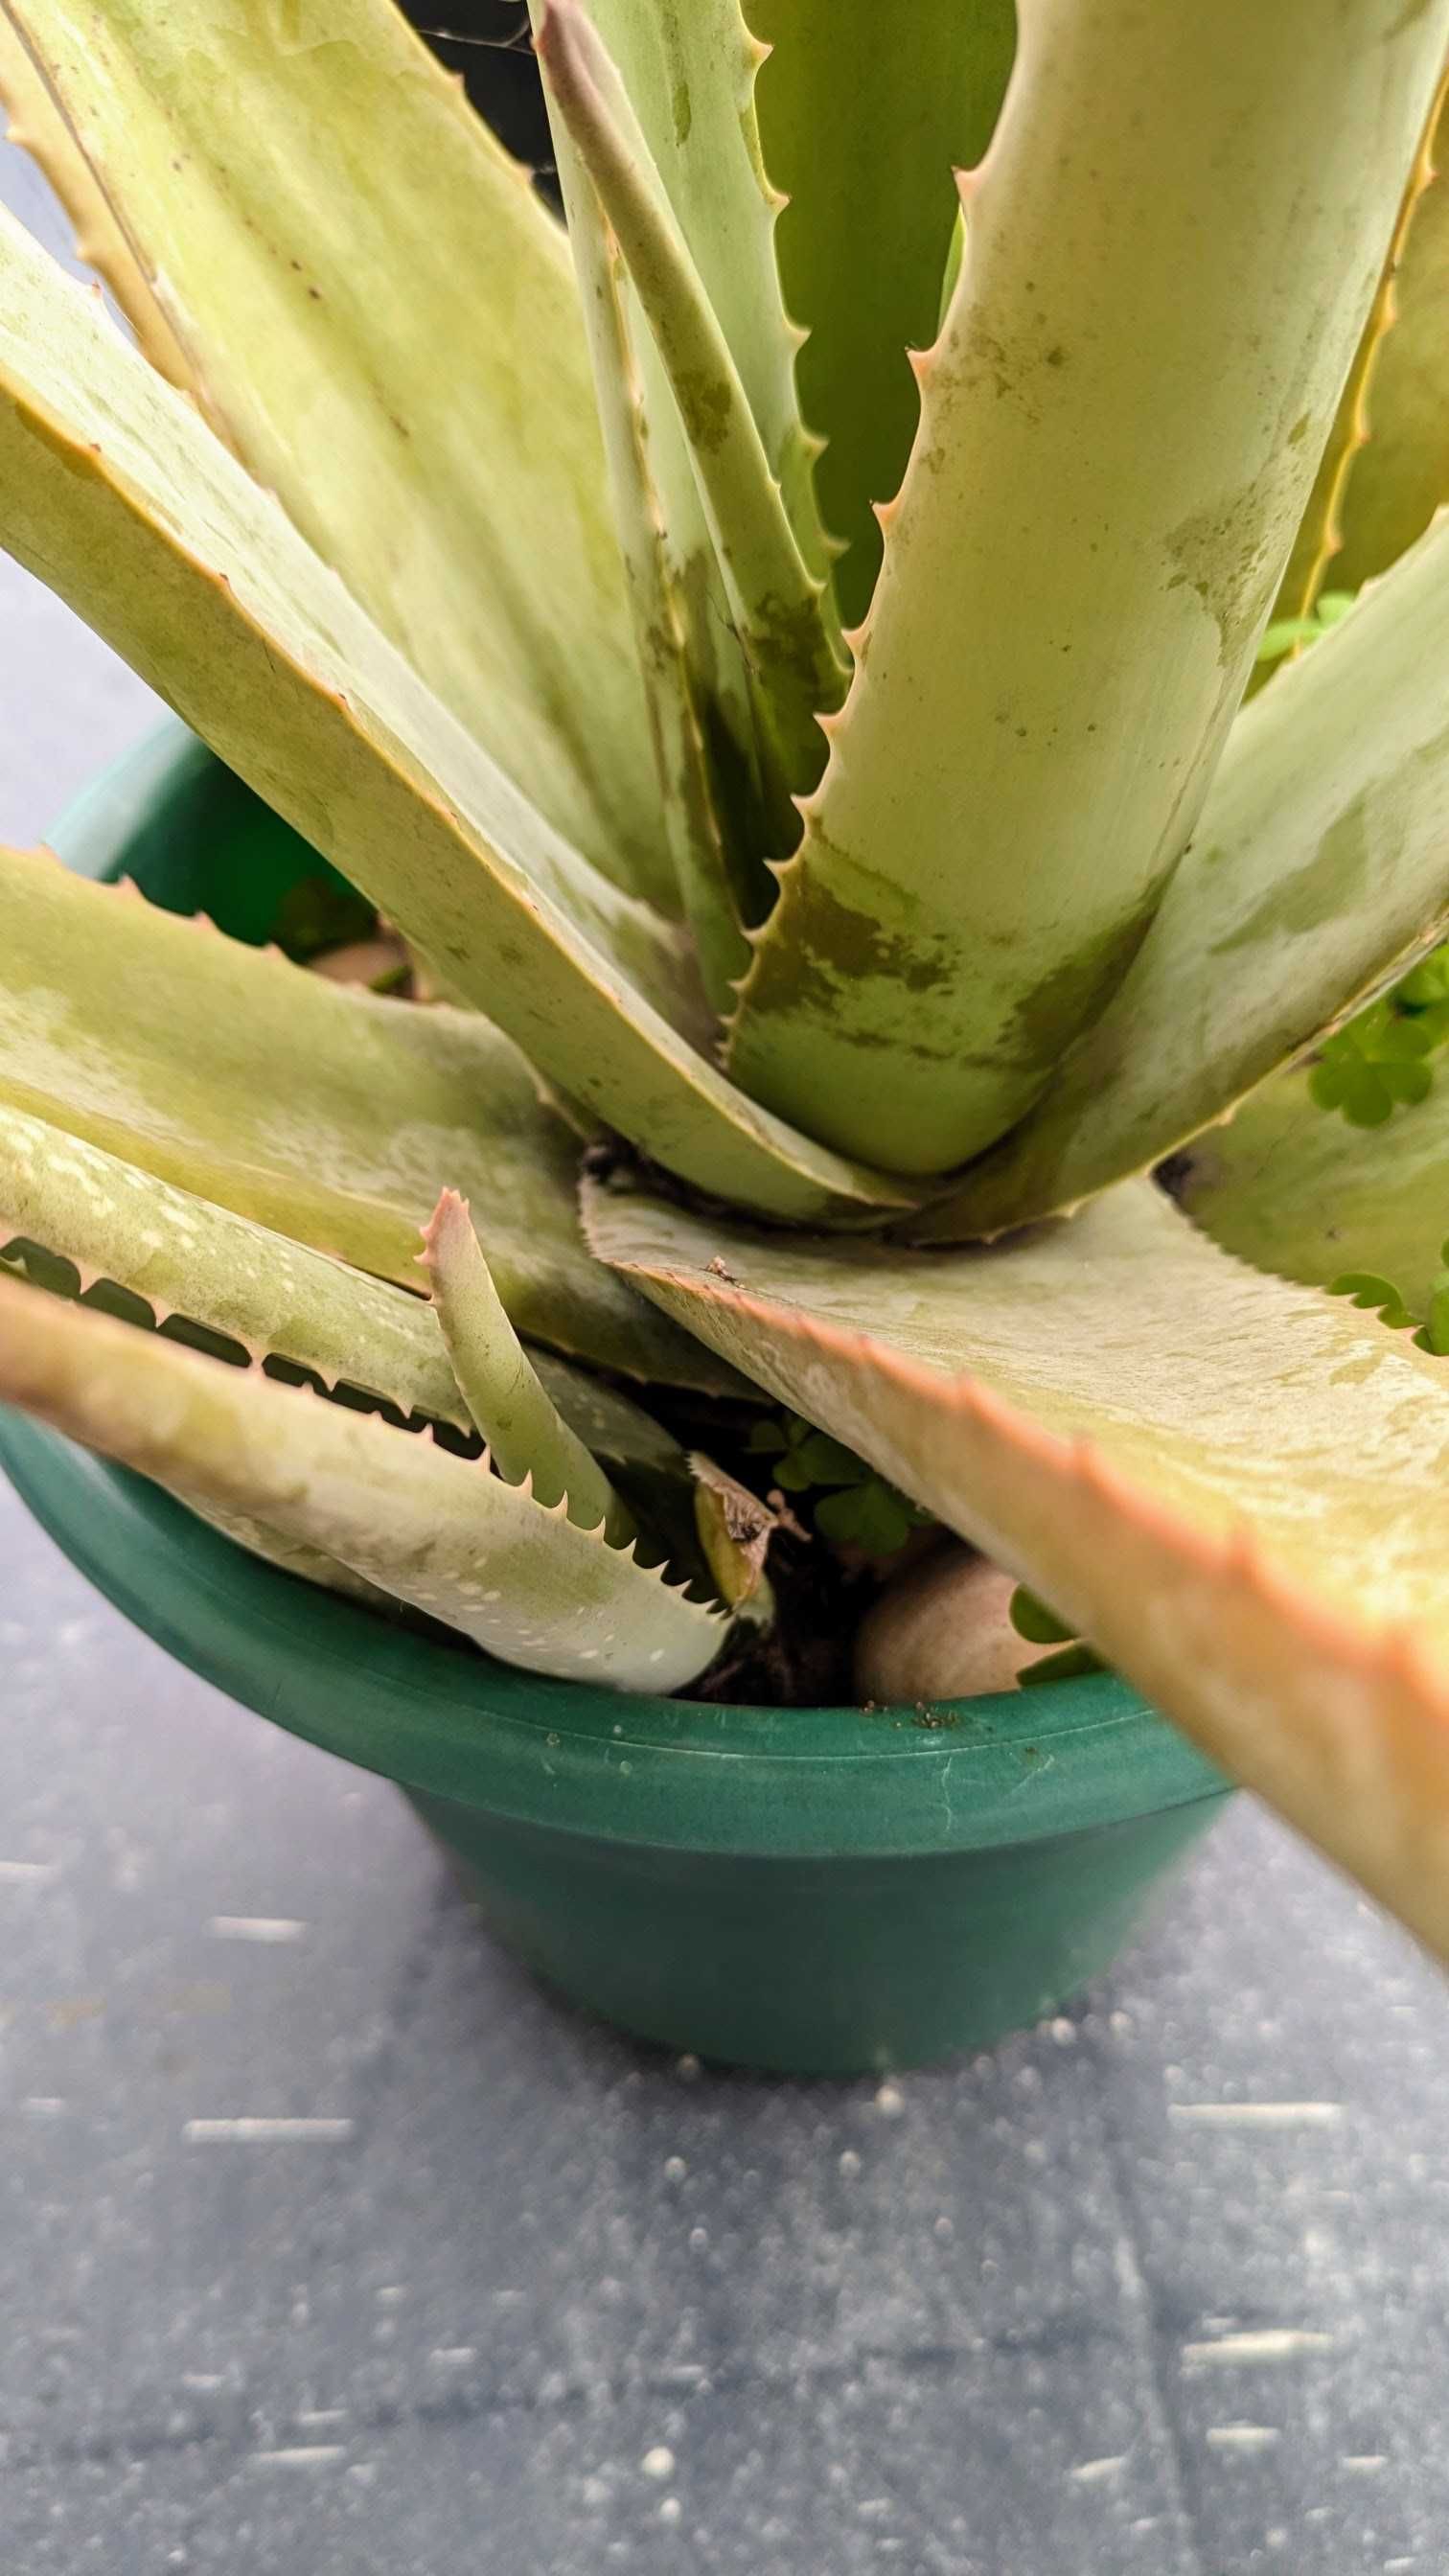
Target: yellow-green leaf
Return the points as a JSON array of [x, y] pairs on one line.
[[1116, 440], [378, 312], [113, 489], [318, 1110], [442, 1534]]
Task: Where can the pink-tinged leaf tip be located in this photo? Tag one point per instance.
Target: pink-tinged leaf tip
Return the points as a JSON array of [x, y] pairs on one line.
[[451, 1212]]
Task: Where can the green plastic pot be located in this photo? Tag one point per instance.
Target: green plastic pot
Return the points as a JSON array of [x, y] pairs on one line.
[[820, 1891]]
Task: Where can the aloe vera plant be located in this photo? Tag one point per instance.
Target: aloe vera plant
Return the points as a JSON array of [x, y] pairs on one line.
[[783, 652]]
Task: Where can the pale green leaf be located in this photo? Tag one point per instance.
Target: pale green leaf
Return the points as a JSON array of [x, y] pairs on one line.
[[1235, 1489], [184, 1256], [1313, 1197], [1369, 398], [526, 1434], [38, 126], [1119, 425], [320, 1111], [378, 312], [113, 489], [1320, 866], [690, 76], [778, 605], [1401, 477], [713, 889], [863, 114], [690, 73], [293, 1556], [103, 1221], [442, 1534]]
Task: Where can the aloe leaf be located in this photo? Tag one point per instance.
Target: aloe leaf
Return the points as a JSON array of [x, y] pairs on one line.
[[1234, 1488], [310, 1564], [779, 605], [38, 126], [371, 299], [862, 117], [690, 76], [1313, 1197], [1317, 548], [1399, 473], [526, 1434], [318, 1110], [438, 1532], [716, 890], [115, 492], [182, 1255], [1320, 867], [1119, 425], [76, 1217]]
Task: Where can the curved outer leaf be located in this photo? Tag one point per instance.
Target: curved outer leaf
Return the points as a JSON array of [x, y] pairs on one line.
[[37, 126], [779, 607], [1300, 1192], [526, 1434], [316, 1109], [114, 491], [1228, 1484], [863, 114], [1321, 864], [378, 312], [1119, 425], [292, 1555], [1373, 396], [440, 1533], [184, 1256]]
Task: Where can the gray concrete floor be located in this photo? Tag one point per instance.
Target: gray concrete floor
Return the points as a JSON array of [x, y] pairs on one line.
[[1161, 2286]]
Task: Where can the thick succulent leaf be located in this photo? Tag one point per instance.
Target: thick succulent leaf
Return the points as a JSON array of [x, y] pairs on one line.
[[712, 893], [318, 1110], [1321, 863], [1235, 1488], [182, 1255], [1400, 475], [1369, 395], [115, 492], [38, 126], [292, 1555], [1119, 425], [1296, 1190], [74, 1216], [526, 1434], [721, 822], [861, 120], [440, 1533], [378, 313], [778, 605], [690, 76]]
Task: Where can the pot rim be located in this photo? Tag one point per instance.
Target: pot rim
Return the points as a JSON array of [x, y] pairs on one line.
[[438, 1717], [442, 1718]]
